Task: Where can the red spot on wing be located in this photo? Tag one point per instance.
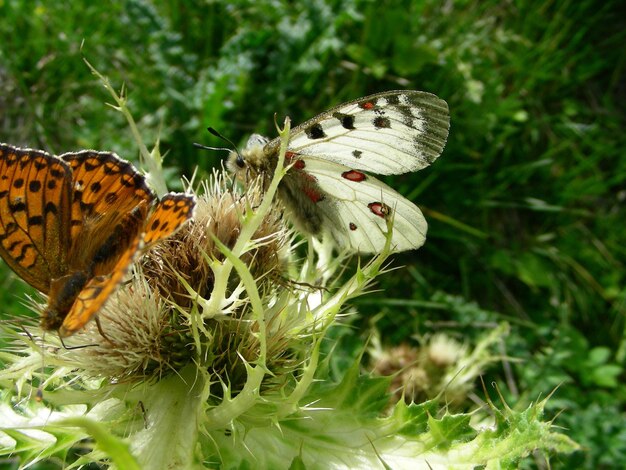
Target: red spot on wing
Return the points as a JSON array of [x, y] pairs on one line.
[[353, 175], [352, 226], [380, 209], [298, 164], [367, 105]]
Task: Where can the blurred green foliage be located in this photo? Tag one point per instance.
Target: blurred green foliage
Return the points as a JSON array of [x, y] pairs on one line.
[[526, 205]]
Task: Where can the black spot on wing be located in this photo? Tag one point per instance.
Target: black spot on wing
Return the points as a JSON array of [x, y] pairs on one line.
[[315, 131], [51, 208], [35, 220], [18, 206], [381, 122], [346, 120]]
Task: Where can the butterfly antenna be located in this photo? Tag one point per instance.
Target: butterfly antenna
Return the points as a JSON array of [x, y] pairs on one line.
[[214, 132], [206, 147], [220, 136]]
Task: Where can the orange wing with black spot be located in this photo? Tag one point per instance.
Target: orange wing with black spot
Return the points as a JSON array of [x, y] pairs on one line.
[[104, 184], [170, 213], [79, 220], [35, 198], [98, 290]]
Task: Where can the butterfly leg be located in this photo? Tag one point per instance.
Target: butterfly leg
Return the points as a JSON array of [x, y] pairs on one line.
[[71, 348], [30, 337], [99, 325], [39, 391]]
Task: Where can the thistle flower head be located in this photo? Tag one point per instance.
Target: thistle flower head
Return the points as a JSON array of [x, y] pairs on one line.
[[157, 324], [440, 367]]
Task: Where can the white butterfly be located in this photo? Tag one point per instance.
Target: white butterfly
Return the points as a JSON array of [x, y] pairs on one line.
[[328, 188]]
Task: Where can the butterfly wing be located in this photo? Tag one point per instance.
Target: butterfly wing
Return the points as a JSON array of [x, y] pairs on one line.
[[110, 202], [98, 290], [35, 195], [106, 191], [115, 256], [354, 208], [104, 184], [388, 133], [326, 188], [170, 213]]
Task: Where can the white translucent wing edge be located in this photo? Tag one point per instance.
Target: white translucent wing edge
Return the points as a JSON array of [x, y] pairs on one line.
[[418, 125], [347, 202]]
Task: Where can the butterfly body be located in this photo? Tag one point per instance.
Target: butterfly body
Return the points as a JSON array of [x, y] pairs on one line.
[[298, 191], [61, 297], [328, 187], [71, 226]]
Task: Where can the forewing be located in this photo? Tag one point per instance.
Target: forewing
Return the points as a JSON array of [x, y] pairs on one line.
[[357, 206], [388, 133], [104, 184], [170, 213], [34, 214]]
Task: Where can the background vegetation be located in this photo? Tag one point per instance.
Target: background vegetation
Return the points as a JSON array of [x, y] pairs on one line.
[[526, 205]]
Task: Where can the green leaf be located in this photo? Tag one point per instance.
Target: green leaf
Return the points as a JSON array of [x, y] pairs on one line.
[[409, 58], [297, 464], [606, 376], [415, 417], [449, 429], [598, 356], [117, 450]]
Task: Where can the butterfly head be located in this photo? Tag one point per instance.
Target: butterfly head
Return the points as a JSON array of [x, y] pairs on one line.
[[252, 161]]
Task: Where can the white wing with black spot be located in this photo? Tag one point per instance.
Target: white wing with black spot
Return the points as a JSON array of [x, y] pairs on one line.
[[329, 188], [388, 133]]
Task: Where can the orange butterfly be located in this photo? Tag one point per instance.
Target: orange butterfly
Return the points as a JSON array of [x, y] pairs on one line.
[[72, 225]]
